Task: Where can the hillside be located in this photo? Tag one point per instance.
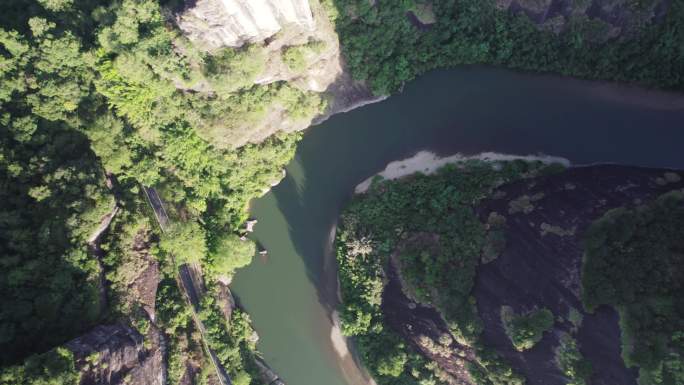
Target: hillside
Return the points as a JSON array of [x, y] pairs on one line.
[[502, 273]]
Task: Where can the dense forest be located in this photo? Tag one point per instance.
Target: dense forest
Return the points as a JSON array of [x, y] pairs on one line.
[[384, 47], [390, 222], [98, 98], [387, 43]]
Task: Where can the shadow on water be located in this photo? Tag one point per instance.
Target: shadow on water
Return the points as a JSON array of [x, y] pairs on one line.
[[466, 110]]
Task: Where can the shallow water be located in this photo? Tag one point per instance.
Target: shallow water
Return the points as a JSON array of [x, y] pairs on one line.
[[290, 294]]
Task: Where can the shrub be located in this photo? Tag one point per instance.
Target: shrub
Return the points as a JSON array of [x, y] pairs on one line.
[[186, 242], [231, 253], [526, 330], [296, 57], [571, 362], [55, 367]]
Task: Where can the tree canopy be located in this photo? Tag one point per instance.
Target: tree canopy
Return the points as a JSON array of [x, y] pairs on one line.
[[96, 98], [383, 47], [634, 260]]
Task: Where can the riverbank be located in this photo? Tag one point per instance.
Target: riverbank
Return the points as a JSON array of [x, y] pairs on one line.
[[467, 110], [428, 163]]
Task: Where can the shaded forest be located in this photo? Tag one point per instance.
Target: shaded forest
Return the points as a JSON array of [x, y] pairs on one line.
[[384, 47]]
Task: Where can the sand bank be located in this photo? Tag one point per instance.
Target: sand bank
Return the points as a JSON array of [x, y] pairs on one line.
[[427, 163]]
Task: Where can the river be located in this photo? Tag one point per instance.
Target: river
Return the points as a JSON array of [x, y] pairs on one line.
[[291, 293]]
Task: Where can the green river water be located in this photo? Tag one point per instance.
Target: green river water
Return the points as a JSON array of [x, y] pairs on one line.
[[291, 293]]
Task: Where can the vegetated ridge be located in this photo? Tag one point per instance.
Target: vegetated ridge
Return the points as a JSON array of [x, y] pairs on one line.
[[492, 273]]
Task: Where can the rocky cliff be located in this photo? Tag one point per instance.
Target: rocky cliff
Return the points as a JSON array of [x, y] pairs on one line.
[[542, 260], [302, 27], [118, 354], [277, 27], [232, 23]]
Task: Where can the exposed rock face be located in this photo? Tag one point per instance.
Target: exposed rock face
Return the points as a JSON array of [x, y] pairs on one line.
[[539, 268], [138, 275], [541, 264], [218, 23], [144, 286], [116, 354], [268, 376], [425, 329], [226, 301]]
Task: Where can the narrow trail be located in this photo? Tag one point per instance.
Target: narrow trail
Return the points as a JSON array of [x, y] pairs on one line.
[[187, 285]]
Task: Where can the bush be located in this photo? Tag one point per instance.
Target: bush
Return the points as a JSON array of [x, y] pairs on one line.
[[231, 339], [186, 242], [489, 369], [392, 365], [296, 57], [571, 362], [231, 253], [526, 330]]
